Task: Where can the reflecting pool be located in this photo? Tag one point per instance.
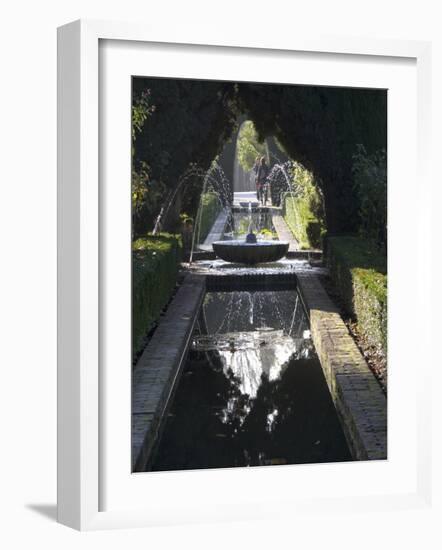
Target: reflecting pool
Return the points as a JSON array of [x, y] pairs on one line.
[[252, 391]]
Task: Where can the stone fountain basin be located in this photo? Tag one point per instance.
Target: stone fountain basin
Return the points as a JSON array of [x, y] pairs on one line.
[[250, 253]]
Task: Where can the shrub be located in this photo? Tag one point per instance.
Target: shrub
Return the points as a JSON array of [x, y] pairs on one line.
[[155, 264], [303, 209], [370, 183], [306, 228], [359, 272], [249, 147]]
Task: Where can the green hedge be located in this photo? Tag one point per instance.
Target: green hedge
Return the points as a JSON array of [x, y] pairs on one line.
[[306, 227], [155, 264], [211, 207], [359, 273]]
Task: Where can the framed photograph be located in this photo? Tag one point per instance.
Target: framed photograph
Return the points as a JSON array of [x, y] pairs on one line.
[[229, 215]]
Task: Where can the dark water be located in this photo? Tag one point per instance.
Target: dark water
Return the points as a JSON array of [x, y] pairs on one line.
[[252, 391]]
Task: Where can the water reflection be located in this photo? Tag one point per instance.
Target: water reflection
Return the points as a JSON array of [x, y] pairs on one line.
[[255, 334], [252, 392]]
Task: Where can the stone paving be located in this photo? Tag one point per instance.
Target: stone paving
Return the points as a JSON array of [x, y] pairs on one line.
[[217, 231], [284, 233], [358, 398], [244, 197], [158, 370]]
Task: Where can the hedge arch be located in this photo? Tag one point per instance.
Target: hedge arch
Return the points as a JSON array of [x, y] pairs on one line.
[[194, 121], [321, 127]]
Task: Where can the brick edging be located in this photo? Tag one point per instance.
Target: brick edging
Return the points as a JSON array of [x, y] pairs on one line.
[[158, 370], [358, 398]]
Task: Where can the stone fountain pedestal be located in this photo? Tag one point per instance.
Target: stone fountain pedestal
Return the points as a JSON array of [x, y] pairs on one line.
[[250, 253]]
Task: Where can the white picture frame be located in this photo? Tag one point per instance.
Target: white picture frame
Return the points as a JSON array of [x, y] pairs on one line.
[[80, 444]]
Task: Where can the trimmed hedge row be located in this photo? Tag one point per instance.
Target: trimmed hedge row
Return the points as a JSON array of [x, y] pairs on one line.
[[360, 275], [307, 229], [155, 264]]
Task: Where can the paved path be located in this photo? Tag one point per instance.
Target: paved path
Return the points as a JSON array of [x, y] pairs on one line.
[[245, 197], [242, 198], [159, 367], [217, 231], [284, 233]]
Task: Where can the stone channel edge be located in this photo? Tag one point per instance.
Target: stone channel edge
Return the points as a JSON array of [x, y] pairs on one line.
[[358, 397], [158, 370]]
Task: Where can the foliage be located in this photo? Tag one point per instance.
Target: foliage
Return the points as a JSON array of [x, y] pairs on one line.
[[242, 228], [185, 218], [155, 263], [305, 227], [359, 272], [304, 209], [249, 147], [268, 233], [370, 183], [191, 121], [320, 127], [144, 194], [139, 187], [141, 109]]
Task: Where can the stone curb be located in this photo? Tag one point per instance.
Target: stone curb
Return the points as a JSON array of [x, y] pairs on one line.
[[158, 370], [358, 398]]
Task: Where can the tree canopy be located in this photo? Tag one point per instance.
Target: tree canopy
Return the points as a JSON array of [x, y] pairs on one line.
[[249, 147]]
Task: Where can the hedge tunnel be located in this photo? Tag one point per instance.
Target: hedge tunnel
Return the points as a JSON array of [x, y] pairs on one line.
[[194, 121]]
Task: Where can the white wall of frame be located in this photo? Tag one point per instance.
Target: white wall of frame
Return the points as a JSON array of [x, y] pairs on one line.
[[28, 297], [237, 490]]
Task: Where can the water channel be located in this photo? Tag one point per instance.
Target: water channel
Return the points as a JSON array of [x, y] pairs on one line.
[[252, 391]]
